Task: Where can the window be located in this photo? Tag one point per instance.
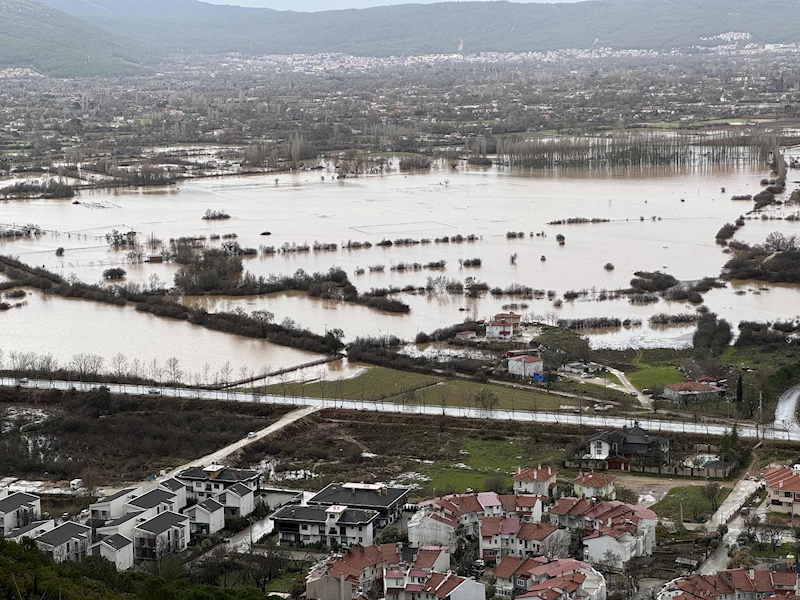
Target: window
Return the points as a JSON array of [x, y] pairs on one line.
[[304, 527]]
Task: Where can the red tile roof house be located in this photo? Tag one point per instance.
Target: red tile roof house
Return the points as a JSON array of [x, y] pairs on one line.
[[627, 531], [736, 584], [783, 489], [466, 510], [692, 391], [595, 485], [501, 536], [418, 582], [517, 576], [539, 481]]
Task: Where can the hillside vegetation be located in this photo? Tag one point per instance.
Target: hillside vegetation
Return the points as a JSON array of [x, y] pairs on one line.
[[193, 26], [53, 43]]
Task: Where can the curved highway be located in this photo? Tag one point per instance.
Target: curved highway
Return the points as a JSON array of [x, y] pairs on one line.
[[784, 428]]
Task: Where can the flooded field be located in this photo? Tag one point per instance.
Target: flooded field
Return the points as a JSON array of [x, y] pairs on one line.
[[659, 219]]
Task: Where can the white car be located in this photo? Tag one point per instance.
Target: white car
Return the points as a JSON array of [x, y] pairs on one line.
[[252, 434]]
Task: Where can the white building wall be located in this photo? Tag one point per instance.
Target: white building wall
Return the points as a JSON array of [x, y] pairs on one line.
[[429, 532], [469, 590]]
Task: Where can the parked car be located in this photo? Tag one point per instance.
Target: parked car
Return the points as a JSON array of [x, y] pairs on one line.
[[153, 391]]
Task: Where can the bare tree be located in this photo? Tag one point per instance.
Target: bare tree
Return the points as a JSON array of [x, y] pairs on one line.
[[322, 374], [712, 491], [486, 400], [556, 545], [225, 372], [119, 365]]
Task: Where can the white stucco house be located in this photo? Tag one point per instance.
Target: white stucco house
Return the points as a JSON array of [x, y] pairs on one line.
[[118, 549], [238, 500], [525, 366], [539, 481], [595, 485], [206, 517], [112, 506], [427, 527], [67, 542], [166, 533], [18, 510]]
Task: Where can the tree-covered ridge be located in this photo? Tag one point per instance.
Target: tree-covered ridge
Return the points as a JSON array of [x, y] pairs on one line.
[[54, 43], [24, 573], [194, 26]]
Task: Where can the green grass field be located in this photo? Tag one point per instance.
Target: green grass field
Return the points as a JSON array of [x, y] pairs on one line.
[[379, 384], [487, 458], [694, 503]]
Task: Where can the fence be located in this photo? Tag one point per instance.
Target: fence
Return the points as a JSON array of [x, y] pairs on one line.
[[602, 465]]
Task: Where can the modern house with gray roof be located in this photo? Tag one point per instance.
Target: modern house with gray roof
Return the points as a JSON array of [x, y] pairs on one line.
[[206, 517], [156, 500], [208, 482], [387, 501], [333, 525], [620, 446], [238, 500], [18, 510], [176, 487], [68, 541], [116, 548], [166, 533], [32, 530], [111, 506]]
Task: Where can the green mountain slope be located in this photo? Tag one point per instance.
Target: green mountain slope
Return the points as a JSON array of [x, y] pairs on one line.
[[194, 26], [57, 44]]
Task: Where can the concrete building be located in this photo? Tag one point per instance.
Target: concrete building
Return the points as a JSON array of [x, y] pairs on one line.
[[67, 542], [387, 501], [332, 526], [525, 366], [18, 510], [210, 481], [118, 549], [166, 533], [206, 517], [689, 392]]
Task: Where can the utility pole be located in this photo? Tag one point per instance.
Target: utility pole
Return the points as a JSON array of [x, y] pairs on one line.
[[760, 406]]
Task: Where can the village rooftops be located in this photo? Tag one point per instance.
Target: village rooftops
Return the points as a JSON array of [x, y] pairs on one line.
[[427, 556], [360, 495], [116, 541], [15, 501], [571, 506], [534, 474], [782, 478], [596, 480], [163, 522], [348, 516], [218, 473], [732, 582], [64, 533], [239, 489], [535, 531], [115, 495], [152, 499], [527, 358], [124, 518], [442, 585], [692, 387], [210, 505], [14, 533], [172, 484]]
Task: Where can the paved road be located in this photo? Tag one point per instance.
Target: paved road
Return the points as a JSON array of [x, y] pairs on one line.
[[777, 431], [220, 455]]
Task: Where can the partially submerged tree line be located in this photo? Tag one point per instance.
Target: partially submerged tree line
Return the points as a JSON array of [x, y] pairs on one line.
[[632, 149]]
